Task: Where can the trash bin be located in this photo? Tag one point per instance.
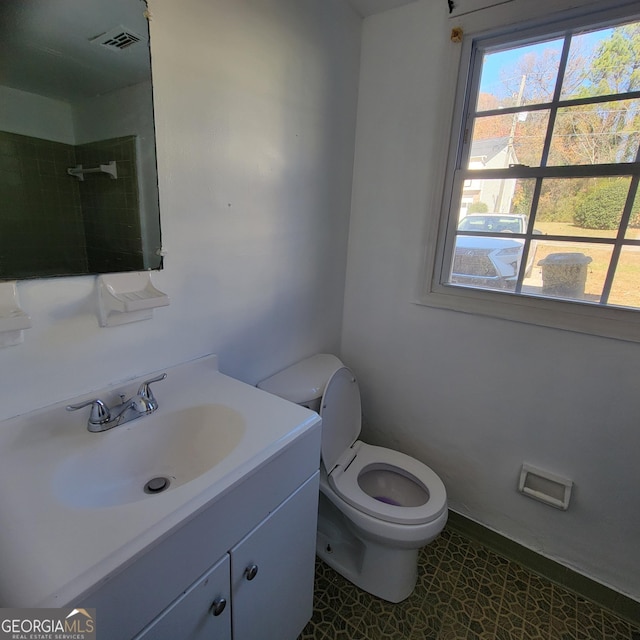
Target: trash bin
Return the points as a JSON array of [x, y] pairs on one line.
[[564, 274]]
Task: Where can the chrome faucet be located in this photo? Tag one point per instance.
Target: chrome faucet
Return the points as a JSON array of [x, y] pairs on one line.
[[102, 418]]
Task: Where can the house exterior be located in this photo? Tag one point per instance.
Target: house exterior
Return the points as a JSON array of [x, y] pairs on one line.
[[492, 153]]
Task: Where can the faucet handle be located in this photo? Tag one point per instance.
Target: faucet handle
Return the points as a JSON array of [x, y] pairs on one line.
[[100, 414], [144, 391]]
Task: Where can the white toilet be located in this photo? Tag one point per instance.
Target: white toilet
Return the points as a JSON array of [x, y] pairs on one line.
[[378, 507]]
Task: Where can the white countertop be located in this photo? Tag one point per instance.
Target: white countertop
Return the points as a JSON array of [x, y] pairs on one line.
[[52, 552]]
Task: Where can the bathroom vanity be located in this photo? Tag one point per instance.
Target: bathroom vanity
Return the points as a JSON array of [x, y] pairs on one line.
[[258, 589], [226, 551]]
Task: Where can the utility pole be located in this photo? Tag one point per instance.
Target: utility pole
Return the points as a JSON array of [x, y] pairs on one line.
[[510, 155]]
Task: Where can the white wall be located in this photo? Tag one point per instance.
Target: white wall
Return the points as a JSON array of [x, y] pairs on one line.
[[471, 396], [255, 105], [29, 114]]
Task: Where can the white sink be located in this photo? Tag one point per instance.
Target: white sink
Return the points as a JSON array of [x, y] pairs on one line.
[[178, 447], [72, 505]]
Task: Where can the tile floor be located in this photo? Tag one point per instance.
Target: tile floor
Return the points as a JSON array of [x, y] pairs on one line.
[[464, 592]]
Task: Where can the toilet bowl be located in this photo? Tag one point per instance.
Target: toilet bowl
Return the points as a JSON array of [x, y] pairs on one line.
[[378, 507]]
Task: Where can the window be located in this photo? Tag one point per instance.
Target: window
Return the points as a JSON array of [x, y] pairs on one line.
[[543, 205]]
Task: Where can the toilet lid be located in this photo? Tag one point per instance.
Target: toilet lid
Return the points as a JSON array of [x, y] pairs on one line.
[[341, 416]]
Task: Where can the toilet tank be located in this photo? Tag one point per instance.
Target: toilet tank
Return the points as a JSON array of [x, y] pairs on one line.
[[303, 382]]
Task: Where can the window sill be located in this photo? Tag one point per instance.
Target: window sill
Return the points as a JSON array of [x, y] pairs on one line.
[[616, 323]]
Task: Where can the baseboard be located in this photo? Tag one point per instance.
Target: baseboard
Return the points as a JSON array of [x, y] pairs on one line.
[[589, 589]]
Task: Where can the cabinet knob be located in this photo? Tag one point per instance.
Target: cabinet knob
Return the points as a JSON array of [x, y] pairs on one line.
[[218, 605], [251, 571]]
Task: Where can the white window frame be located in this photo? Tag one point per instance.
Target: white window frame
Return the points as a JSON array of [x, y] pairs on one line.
[[563, 314]]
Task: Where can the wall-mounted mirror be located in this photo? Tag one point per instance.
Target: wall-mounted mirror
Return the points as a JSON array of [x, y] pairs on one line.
[[78, 180]]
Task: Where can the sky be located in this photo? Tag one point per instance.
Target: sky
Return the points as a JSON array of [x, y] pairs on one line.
[[494, 63]]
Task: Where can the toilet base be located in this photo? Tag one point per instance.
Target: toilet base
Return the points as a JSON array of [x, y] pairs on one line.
[[386, 572]]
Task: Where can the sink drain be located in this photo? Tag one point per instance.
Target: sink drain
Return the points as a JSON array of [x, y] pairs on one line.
[[156, 485]]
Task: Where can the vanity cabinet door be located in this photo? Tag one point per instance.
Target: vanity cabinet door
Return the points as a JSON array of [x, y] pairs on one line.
[[203, 612], [272, 570]]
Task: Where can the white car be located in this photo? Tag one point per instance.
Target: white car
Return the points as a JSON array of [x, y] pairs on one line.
[[492, 261]]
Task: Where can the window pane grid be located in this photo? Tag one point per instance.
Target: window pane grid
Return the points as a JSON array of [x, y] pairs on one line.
[[530, 227], [578, 170], [509, 262], [553, 114], [572, 102]]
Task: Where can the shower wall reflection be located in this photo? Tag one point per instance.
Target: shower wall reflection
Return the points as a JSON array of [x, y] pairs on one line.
[[56, 224], [70, 97]]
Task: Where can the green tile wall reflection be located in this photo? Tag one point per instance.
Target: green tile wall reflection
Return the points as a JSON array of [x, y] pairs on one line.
[[40, 217], [54, 224], [110, 208]]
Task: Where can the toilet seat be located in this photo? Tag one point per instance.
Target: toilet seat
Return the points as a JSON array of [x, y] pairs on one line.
[[345, 482], [345, 458]]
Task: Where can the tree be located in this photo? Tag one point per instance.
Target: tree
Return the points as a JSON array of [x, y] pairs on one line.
[[590, 134], [587, 134], [601, 205], [615, 67], [541, 70], [595, 134], [605, 132], [490, 126]]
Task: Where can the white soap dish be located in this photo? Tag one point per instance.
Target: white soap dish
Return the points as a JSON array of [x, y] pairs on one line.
[[13, 320], [127, 297], [546, 487]]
